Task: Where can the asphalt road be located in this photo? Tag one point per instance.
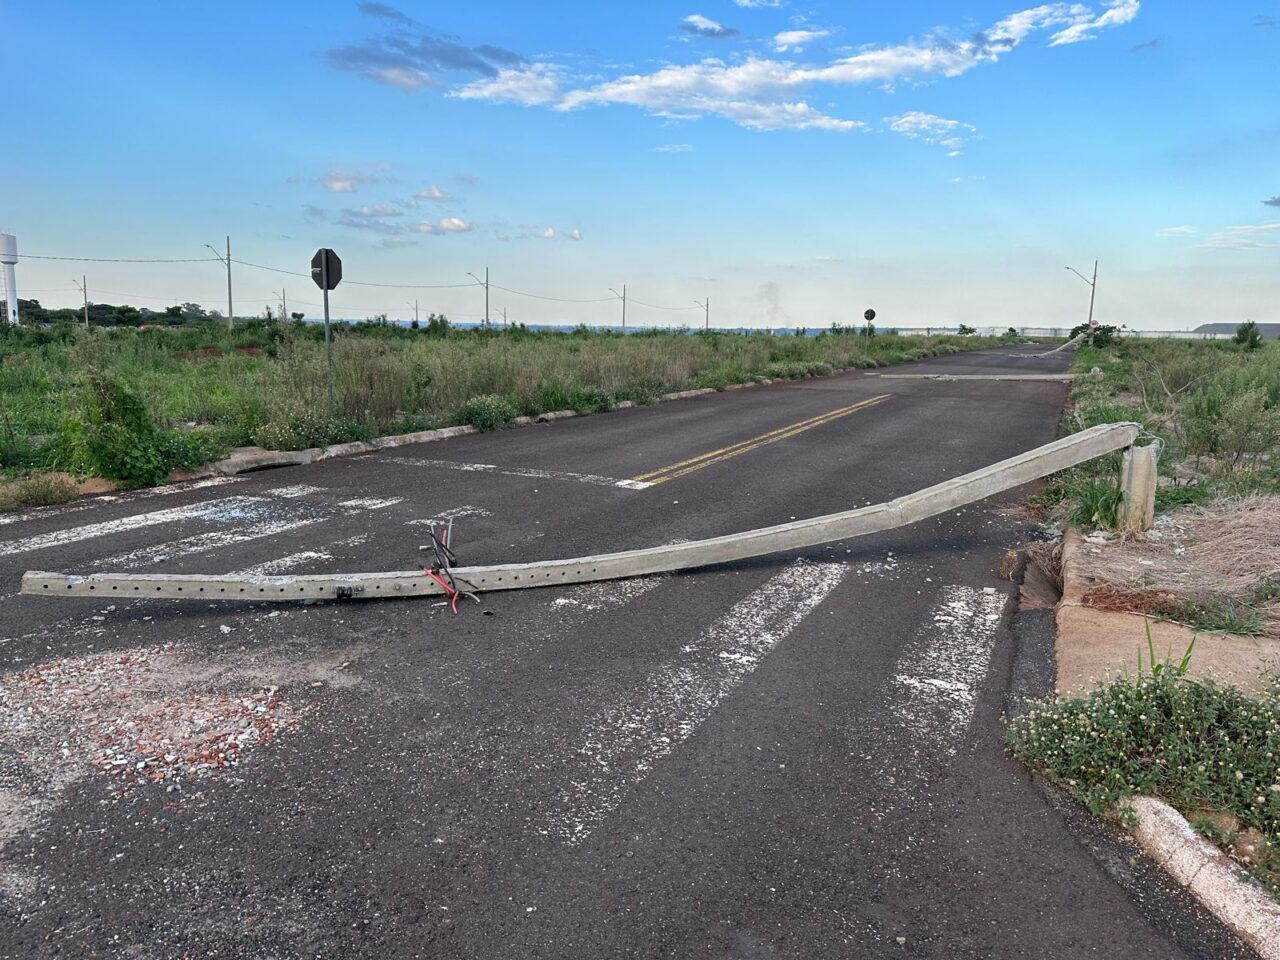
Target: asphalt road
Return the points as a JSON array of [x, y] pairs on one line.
[[795, 757]]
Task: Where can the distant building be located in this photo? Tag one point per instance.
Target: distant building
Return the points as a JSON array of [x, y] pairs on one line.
[[1269, 331]]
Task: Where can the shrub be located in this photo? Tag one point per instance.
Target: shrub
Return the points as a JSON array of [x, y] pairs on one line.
[[1196, 745], [36, 490], [489, 411], [1248, 335], [300, 428], [1095, 502], [115, 438]]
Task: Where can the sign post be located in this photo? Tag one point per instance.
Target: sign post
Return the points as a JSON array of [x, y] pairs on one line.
[[326, 271]]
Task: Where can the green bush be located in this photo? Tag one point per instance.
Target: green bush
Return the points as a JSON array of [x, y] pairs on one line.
[[489, 411], [1095, 502], [36, 490], [1248, 335], [114, 437], [1196, 745], [300, 428]]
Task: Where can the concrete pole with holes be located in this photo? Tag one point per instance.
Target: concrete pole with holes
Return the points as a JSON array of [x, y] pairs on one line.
[[1138, 487]]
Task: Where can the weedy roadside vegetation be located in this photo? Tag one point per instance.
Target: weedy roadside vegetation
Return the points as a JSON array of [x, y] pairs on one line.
[[1214, 408], [1210, 751], [1214, 405], [133, 404]]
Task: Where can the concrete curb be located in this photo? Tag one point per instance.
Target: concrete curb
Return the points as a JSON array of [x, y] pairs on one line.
[[1223, 887], [246, 459]]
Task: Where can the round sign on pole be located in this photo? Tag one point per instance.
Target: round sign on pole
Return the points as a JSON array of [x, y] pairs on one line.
[[869, 315]]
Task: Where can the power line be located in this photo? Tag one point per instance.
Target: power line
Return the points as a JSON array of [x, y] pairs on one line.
[[655, 306], [357, 283], [33, 256], [538, 296]]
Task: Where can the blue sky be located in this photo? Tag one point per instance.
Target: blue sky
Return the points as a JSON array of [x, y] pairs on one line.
[[796, 162]]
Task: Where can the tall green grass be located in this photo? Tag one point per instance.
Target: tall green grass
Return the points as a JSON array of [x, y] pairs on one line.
[[1214, 405], [270, 385]]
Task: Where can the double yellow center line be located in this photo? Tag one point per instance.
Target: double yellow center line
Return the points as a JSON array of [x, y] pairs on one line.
[[746, 446]]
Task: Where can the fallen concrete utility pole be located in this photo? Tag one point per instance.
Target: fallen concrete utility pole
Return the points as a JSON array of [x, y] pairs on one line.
[[1055, 377], [940, 498]]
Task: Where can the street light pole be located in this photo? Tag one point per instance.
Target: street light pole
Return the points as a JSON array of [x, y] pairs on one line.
[[707, 308], [623, 297], [1093, 287], [484, 283], [415, 311], [231, 315], [84, 289]]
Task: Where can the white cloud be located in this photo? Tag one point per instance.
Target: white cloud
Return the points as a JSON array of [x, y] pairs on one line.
[[549, 233], [931, 129], [702, 26], [797, 39], [574, 234], [767, 94], [380, 210], [827, 259], [1182, 231], [337, 181], [751, 94], [432, 193], [756, 4], [1246, 237], [537, 84], [1118, 12], [446, 225], [405, 79], [673, 148]]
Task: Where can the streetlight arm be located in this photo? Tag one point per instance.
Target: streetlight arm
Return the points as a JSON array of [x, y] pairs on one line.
[[1080, 275]]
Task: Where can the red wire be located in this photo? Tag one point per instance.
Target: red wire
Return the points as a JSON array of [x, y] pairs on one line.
[[450, 594]]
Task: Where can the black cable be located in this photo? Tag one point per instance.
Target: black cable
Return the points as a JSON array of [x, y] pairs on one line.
[[34, 256]]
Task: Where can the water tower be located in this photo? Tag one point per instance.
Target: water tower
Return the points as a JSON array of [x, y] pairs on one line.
[[9, 258]]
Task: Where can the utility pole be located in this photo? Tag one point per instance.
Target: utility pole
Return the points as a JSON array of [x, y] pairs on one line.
[[231, 316], [484, 283], [84, 289], [284, 305], [1093, 287], [707, 309], [623, 297], [415, 312], [504, 318]]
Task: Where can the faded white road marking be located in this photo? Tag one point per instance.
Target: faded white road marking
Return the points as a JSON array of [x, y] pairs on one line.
[[224, 509], [520, 472], [204, 542], [294, 560], [454, 513], [371, 503], [626, 741], [296, 490], [90, 503], [939, 679], [592, 597]]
